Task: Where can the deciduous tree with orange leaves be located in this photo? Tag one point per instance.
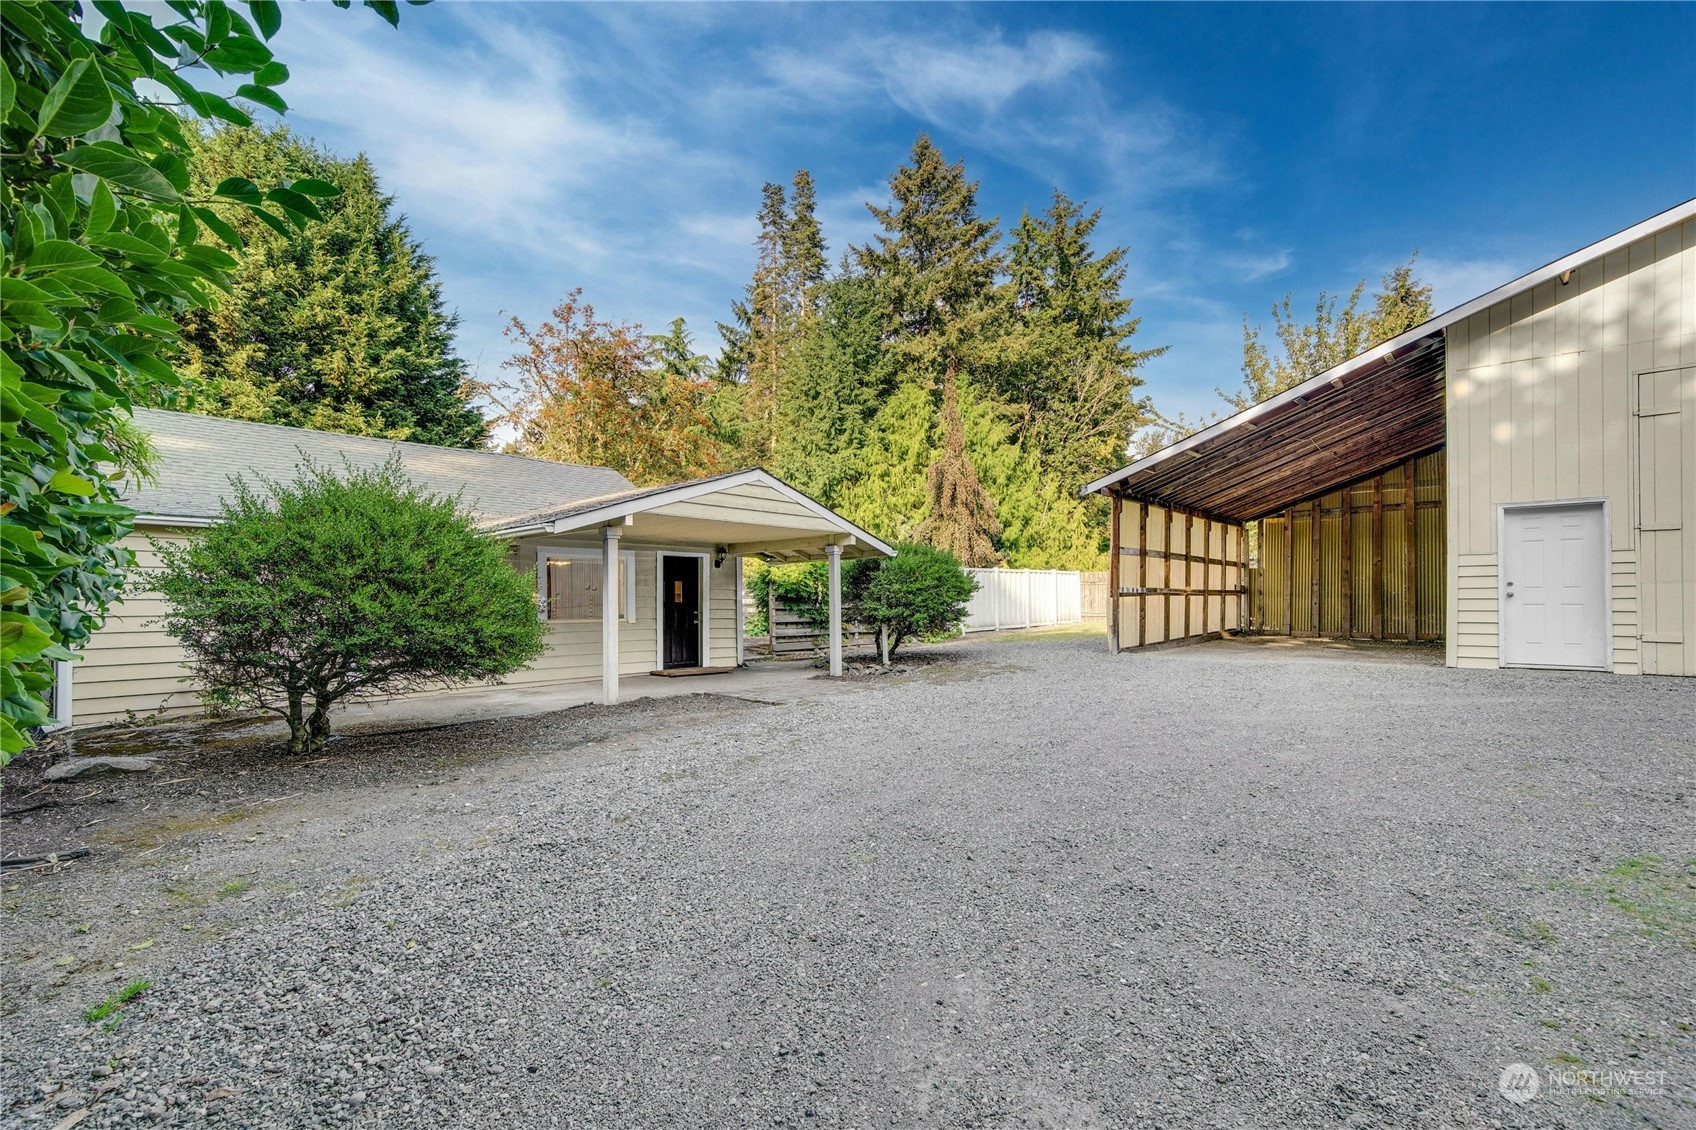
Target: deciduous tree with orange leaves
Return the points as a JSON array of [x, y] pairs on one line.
[[608, 394]]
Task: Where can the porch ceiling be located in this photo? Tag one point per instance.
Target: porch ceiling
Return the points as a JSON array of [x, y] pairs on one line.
[[1291, 448]]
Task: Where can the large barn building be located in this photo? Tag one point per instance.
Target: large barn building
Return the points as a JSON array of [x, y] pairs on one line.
[[1515, 477]]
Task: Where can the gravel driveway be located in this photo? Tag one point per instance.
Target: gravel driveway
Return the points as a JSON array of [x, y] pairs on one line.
[[1228, 885]]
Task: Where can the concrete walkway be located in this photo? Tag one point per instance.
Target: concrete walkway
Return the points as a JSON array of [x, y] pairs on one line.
[[774, 682]]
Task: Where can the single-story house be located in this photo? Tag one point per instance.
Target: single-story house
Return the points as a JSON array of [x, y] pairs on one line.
[[676, 550], [1515, 477]]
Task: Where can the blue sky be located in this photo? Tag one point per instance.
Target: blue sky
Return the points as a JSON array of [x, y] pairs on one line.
[[1239, 151]]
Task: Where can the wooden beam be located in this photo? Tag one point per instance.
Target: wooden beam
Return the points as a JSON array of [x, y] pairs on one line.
[[1142, 573], [1289, 572], [1314, 587], [1348, 562], [1166, 601], [1206, 567], [1411, 603], [1376, 627], [1113, 576], [1189, 568]]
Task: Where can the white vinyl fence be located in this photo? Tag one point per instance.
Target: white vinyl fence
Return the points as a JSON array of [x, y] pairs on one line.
[[1024, 598]]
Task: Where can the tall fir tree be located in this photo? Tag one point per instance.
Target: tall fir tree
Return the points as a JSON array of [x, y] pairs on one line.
[[1069, 359], [340, 327], [934, 264]]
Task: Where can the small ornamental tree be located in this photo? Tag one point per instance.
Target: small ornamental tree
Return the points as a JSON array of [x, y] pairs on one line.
[[343, 587], [921, 591]]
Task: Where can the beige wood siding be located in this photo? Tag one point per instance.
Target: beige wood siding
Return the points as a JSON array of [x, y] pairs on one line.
[[1543, 391], [1180, 576], [131, 669]]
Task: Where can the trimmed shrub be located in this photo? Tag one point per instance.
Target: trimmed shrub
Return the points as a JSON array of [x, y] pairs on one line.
[[343, 587], [920, 592]]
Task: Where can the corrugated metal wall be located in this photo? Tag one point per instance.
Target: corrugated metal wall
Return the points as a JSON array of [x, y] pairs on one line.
[[1179, 576], [1339, 564]]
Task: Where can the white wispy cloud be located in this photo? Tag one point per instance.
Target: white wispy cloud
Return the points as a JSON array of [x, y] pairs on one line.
[[1454, 281]]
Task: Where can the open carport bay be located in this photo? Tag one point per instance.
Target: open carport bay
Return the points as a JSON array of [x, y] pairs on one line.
[[1232, 884]]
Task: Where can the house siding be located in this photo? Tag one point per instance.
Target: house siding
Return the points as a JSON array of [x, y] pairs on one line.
[[1542, 400], [132, 669]]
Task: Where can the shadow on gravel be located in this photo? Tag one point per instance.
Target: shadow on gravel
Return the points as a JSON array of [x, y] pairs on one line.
[[208, 774]]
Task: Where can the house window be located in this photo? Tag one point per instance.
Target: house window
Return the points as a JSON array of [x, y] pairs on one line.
[[571, 581]]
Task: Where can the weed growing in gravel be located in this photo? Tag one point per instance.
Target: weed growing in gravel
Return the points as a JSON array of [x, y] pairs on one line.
[[1542, 984], [1659, 896], [117, 1000], [233, 887]]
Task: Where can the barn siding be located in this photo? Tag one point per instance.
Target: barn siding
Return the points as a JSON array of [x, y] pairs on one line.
[[1542, 396], [1181, 576], [1366, 523]]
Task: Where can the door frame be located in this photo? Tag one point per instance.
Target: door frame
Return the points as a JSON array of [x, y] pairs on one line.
[[705, 563], [1607, 549]]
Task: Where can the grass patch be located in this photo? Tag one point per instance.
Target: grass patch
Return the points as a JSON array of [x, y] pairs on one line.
[[233, 887], [98, 1012], [149, 834], [1656, 894]]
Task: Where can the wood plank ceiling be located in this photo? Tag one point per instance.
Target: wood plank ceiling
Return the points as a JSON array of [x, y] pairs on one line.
[[1376, 419]]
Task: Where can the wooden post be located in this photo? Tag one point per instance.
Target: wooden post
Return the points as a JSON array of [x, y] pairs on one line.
[[1206, 569], [1376, 627], [1113, 578], [1411, 603], [1313, 586], [1142, 573], [1166, 584], [1189, 571], [1289, 571], [1242, 577], [1348, 563]]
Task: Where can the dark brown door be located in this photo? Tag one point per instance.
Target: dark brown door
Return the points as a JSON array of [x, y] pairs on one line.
[[680, 598]]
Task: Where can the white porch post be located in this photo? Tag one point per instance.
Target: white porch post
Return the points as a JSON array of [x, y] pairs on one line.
[[741, 612], [834, 553], [611, 573]]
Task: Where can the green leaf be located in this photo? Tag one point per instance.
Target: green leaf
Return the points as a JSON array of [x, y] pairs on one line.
[[219, 228], [17, 290], [388, 9], [113, 163], [266, 97], [102, 209], [217, 21], [79, 101], [222, 108], [267, 15], [53, 254], [137, 250], [8, 92], [239, 188], [238, 55], [294, 202], [66, 483], [310, 186], [204, 256], [174, 169], [271, 74], [275, 223], [188, 229]]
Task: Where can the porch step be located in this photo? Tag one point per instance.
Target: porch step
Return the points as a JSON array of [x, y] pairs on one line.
[[680, 672]]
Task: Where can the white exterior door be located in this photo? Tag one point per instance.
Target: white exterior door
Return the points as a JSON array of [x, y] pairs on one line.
[[1554, 586]]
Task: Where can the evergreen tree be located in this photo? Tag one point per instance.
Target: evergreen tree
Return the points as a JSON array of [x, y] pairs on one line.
[[961, 517], [804, 249], [1333, 336], [934, 263], [1069, 361], [340, 327], [834, 383]]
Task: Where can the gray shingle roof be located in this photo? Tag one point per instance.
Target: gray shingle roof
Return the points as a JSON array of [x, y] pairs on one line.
[[199, 454]]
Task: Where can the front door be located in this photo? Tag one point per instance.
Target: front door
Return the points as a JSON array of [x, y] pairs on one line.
[[680, 610], [1553, 593]]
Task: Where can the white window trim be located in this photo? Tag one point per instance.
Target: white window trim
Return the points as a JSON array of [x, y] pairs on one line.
[[659, 603], [545, 554]]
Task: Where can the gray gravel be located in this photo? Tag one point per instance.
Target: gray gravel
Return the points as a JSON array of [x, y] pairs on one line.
[[1230, 885]]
